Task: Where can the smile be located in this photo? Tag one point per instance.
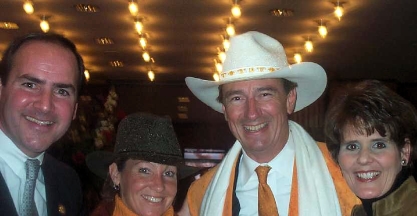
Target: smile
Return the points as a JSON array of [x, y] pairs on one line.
[[39, 122], [152, 199], [255, 128], [367, 175]]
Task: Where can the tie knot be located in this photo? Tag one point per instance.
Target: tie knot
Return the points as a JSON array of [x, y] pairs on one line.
[[32, 168], [262, 172]]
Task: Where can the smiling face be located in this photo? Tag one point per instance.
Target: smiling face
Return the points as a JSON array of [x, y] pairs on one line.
[[146, 188], [38, 102], [370, 164], [257, 113]]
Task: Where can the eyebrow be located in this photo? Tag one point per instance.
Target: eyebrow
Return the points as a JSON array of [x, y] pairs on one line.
[[39, 81]]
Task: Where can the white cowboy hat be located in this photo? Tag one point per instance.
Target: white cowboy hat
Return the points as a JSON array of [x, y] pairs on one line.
[[254, 55]]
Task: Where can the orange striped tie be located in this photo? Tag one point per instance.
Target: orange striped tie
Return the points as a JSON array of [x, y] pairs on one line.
[[266, 200]]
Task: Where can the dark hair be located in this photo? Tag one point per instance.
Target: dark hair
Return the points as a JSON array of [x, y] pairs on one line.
[[369, 106], [288, 86], [6, 63]]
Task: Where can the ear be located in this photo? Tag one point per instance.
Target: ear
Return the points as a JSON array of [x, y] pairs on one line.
[[114, 173], [224, 112], [406, 150], [75, 111], [291, 99]]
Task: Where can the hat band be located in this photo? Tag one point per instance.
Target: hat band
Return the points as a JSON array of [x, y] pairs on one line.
[[247, 72]]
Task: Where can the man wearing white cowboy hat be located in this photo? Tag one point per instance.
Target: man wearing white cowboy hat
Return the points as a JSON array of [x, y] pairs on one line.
[[257, 91]]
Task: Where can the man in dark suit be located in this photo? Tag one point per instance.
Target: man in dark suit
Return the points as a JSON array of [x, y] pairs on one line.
[[41, 77]]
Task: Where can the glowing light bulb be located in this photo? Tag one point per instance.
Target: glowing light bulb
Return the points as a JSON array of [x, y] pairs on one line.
[[236, 12], [133, 8], [87, 75], [216, 77], [230, 29], [338, 12], [309, 45], [142, 42], [322, 31], [298, 58], [28, 7], [151, 75], [226, 44], [44, 25], [146, 57], [139, 26]]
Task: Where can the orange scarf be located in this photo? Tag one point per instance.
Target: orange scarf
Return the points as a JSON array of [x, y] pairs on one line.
[[120, 209]]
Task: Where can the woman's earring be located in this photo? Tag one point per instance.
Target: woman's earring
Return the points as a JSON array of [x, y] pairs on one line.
[[116, 187], [403, 162]]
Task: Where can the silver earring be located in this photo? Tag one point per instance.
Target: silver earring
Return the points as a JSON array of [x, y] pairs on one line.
[[403, 162], [116, 187]]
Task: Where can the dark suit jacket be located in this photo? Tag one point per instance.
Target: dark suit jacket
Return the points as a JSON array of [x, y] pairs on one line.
[[63, 190]]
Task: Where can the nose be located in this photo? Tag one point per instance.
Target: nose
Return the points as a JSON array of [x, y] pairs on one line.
[[365, 156], [158, 183], [44, 101], [252, 109]]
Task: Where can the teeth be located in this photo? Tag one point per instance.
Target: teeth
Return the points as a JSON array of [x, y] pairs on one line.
[[38, 121], [255, 127], [152, 199], [367, 175]]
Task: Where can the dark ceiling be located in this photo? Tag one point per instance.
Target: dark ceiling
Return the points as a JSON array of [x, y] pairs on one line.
[[374, 38]]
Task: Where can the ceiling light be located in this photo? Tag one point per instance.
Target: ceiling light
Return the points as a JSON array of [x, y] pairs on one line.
[[44, 24], [216, 77], [87, 75], [182, 116], [146, 57], [139, 26], [87, 8], [8, 25], [221, 54], [151, 75], [309, 45], [133, 8], [338, 9], [322, 29], [282, 12], [116, 63], [236, 12], [298, 58], [218, 65], [182, 108], [230, 29], [142, 41], [104, 41], [28, 7], [226, 42]]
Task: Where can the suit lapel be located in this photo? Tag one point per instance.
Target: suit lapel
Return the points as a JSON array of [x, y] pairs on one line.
[[51, 187], [6, 202]]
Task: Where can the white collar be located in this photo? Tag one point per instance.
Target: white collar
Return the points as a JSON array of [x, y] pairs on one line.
[[13, 156], [247, 165]]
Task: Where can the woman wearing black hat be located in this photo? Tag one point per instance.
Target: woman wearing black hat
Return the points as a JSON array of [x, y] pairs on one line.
[[142, 172]]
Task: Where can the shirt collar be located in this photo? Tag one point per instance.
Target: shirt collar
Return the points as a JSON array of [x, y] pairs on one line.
[[247, 165], [12, 155]]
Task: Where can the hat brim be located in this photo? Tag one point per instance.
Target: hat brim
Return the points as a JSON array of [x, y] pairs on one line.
[[310, 78], [98, 162]]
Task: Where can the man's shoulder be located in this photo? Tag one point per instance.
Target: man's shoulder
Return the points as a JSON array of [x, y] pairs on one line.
[[58, 169]]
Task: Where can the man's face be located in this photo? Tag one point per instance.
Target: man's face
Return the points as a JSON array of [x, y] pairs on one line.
[[38, 102], [257, 113]]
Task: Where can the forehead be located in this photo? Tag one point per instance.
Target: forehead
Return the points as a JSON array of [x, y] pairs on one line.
[[45, 56]]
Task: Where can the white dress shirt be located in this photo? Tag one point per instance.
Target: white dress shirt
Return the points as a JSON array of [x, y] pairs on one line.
[[12, 167], [279, 180]]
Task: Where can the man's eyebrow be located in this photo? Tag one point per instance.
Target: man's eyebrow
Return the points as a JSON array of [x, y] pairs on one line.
[[39, 81], [232, 92], [267, 88]]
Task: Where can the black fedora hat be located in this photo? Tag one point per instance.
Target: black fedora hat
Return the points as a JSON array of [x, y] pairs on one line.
[[143, 136]]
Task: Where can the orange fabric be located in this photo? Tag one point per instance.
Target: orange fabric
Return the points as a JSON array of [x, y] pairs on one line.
[[266, 201], [346, 197], [293, 209], [120, 209]]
